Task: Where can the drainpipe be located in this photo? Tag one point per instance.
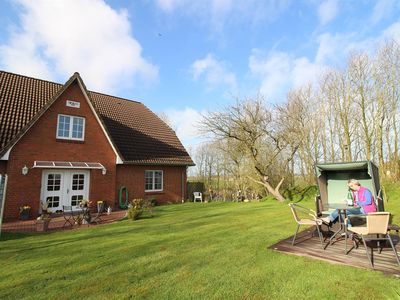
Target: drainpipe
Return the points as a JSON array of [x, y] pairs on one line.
[[3, 185], [183, 184]]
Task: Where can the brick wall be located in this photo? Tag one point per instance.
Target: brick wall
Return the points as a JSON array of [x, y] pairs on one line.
[[40, 143], [133, 178], [3, 166]]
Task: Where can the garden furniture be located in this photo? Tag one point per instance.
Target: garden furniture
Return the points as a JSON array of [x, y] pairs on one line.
[[376, 229], [197, 196], [306, 216]]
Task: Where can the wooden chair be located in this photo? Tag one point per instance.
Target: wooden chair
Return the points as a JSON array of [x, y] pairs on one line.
[[197, 196], [306, 216], [377, 224]]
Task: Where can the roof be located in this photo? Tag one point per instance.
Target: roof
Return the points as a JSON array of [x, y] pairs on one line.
[[344, 166], [139, 135]]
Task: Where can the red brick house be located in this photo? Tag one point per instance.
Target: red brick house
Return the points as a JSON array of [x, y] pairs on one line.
[[62, 143]]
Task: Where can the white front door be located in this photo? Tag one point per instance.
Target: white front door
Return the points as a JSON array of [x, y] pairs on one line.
[[64, 187]]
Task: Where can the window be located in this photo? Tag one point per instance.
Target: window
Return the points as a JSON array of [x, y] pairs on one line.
[[153, 181], [71, 128]]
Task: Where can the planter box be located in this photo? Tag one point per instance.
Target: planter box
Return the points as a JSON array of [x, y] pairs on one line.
[[42, 225]]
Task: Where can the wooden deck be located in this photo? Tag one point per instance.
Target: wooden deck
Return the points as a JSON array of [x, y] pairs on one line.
[[57, 223], [309, 246]]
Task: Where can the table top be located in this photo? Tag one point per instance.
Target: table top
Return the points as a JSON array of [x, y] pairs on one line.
[[340, 205]]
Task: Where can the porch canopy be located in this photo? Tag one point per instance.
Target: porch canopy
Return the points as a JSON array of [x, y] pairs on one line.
[[67, 165], [332, 181]]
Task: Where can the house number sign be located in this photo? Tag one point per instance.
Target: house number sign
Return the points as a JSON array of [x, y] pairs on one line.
[[73, 104]]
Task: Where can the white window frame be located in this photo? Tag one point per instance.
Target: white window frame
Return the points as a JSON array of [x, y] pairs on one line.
[[153, 181], [71, 127]]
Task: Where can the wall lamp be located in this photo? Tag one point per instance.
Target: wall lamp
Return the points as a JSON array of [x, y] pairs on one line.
[[25, 170]]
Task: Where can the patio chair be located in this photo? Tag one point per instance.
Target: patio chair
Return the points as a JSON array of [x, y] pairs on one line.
[[377, 224], [69, 215], [306, 216], [100, 211], [197, 196]]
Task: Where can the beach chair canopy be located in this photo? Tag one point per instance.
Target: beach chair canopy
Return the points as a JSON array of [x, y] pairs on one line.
[[332, 181]]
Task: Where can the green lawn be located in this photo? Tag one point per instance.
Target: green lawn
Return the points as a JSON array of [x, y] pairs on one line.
[[196, 251]]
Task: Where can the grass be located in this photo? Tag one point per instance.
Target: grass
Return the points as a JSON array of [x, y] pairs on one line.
[[189, 251]]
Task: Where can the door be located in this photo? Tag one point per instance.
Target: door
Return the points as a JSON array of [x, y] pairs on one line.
[[53, 189], [78, 186], [64, 187]]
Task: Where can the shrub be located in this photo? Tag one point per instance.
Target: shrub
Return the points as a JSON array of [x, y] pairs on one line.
[[138, 206]]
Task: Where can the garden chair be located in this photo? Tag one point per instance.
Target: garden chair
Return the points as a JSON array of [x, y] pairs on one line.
[[197, 196], [69, 215], [377, 224], [306, 216]]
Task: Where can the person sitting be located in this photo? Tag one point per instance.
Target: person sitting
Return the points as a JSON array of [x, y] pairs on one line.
[[363, 202]]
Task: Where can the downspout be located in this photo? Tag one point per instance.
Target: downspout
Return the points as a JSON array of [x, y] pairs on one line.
[[3, 196], [183, 185]]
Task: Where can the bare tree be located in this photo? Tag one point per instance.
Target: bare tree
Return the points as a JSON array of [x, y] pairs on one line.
[[265, 135]]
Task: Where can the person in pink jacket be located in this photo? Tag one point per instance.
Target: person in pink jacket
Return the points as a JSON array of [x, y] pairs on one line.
[[363, 202]]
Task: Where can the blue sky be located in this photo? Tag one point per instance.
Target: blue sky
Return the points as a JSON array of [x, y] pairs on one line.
[[183, 57]]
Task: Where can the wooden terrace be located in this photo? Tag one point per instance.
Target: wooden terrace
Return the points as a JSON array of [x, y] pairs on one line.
[[308, 245]]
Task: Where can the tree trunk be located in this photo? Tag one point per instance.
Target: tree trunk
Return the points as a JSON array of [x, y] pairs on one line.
[[273, 191]]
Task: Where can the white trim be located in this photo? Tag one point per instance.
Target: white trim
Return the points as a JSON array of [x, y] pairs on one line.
[[71, 126], [6, 155], [118, 159], [153, 183]]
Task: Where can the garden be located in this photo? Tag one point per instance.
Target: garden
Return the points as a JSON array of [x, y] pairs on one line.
[[194, 250]]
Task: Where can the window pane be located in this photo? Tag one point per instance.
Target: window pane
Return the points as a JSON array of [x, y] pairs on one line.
[[77, 128], [149, 180], [63, 126], [76, 199], [78, 181], [53, 201], [158, 180], [53, 182]]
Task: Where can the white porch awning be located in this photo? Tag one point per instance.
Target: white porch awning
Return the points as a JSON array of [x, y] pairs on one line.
[[67, 165]]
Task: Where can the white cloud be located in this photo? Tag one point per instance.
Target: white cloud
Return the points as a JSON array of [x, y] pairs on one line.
[[278, 72], [217, 13], [57, 38], [213, 72], [186, 122], [327, 11], [381, 9], [393, 32]]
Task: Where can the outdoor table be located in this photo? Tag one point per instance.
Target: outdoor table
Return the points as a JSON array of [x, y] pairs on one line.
[[342, 208]]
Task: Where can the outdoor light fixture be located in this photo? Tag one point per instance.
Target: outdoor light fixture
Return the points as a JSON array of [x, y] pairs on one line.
[[25, 170], [104, 171]]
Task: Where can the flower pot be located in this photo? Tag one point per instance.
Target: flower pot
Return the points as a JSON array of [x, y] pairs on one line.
[[42, 225], [24, 215]]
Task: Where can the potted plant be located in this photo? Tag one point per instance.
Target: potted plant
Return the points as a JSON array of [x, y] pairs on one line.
[[42, 222], [85, 206], [24, 212]]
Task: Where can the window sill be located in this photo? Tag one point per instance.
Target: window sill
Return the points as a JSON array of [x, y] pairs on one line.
[[70, 141], [154, 192]]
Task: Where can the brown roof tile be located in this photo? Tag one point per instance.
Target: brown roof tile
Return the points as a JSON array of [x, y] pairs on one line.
[[138, 134]]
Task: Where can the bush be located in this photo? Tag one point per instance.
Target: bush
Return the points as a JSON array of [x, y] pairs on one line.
[[138, 206]]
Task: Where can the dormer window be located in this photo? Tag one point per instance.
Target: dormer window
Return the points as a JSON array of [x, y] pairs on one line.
[[70, 128]]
